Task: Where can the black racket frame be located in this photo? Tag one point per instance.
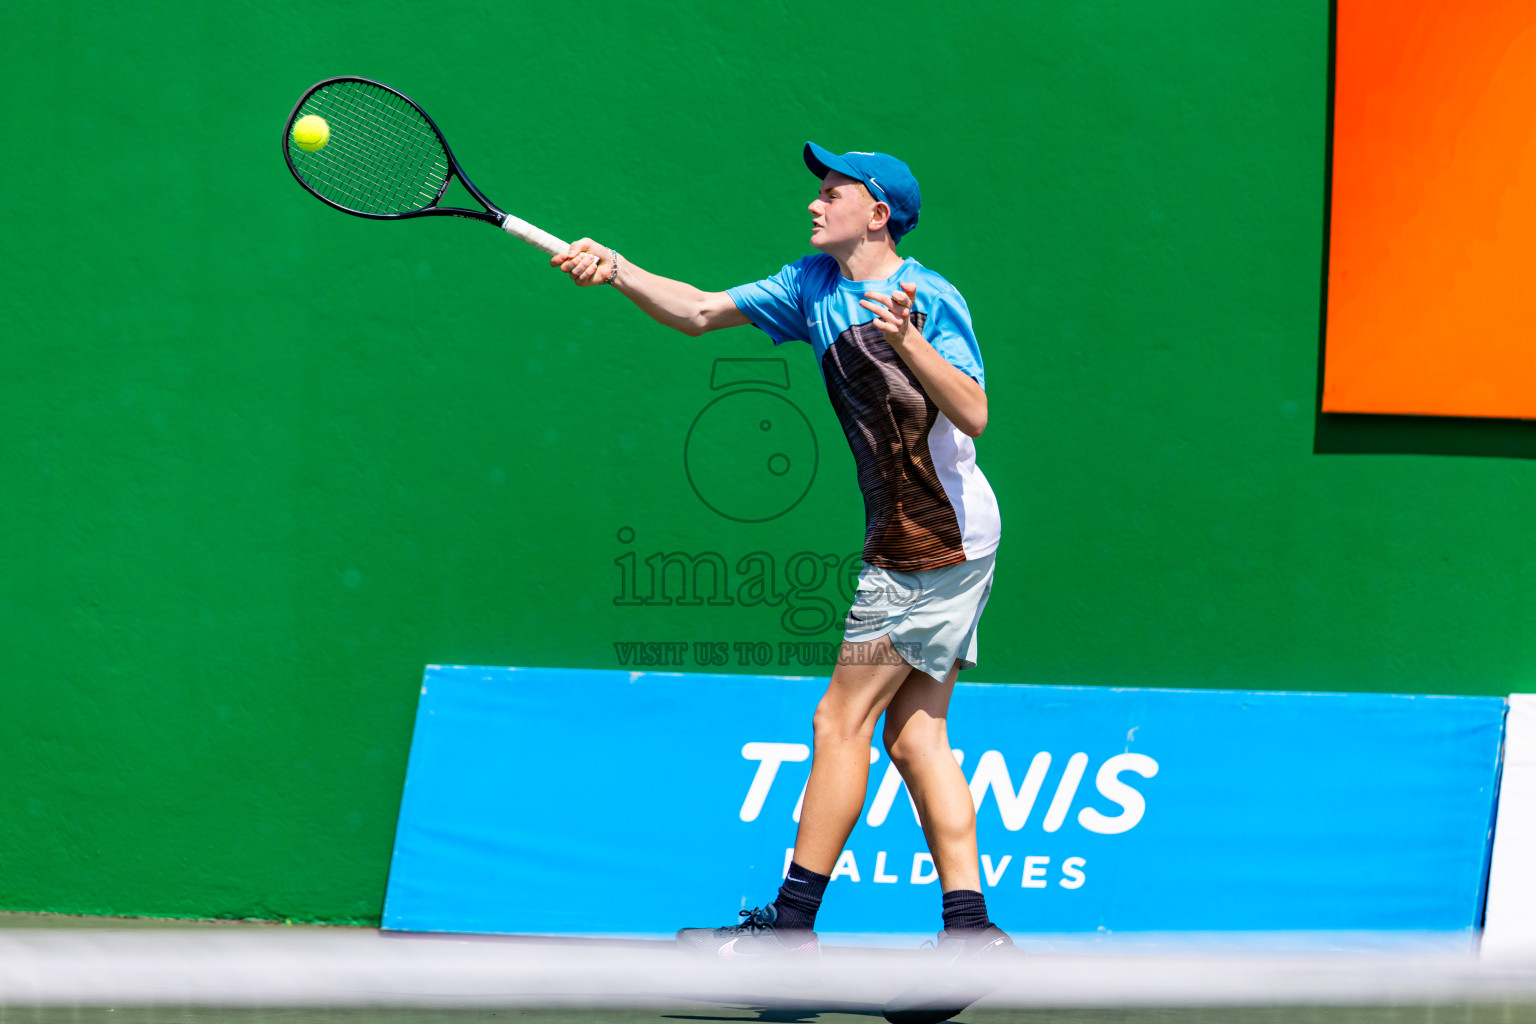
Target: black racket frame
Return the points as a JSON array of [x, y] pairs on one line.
[[491, 214]]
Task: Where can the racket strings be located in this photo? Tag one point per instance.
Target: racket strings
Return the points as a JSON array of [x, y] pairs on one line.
[[348, 179], [397, 159], [388, 163], [400, 129], [383, 155], [381, 168]]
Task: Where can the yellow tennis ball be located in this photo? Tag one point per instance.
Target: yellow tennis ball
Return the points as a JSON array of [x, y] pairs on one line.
[[310, 132]]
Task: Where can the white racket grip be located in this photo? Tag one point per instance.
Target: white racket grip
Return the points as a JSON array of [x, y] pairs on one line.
[[536, 237]]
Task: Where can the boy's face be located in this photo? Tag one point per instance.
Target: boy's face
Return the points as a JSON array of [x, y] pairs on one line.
[[840, 215]]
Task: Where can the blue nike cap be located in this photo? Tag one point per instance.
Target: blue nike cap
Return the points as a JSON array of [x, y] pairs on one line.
[[889, 180]]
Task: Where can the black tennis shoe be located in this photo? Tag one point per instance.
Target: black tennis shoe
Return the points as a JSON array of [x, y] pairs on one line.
[[966, 968], [755, 938]]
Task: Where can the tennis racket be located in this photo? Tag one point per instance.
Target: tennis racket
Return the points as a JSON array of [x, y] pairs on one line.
[[385, 159]]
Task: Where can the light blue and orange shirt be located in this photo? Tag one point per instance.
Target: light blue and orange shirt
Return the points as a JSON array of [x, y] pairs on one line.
[[926, 503]]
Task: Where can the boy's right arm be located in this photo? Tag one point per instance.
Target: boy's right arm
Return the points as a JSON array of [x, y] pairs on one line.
[[672, 303]]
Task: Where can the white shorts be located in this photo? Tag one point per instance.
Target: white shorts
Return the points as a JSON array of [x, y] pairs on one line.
[[930, 615]]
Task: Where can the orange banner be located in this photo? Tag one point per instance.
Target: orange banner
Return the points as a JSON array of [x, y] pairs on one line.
[[1432, 249]]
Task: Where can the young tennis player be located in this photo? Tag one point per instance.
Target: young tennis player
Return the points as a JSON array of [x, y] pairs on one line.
[[902, 367]]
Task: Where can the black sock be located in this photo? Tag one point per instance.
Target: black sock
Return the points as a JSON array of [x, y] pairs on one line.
[[800, 898], [965, 910]]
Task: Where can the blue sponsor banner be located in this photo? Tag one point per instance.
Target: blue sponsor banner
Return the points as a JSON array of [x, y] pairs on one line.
[[562, 801]]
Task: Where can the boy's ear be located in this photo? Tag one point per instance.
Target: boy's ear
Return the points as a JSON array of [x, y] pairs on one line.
[[880, 215]]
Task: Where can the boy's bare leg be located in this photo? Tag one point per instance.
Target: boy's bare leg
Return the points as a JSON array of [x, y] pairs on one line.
[[866, 677], [918, 741]]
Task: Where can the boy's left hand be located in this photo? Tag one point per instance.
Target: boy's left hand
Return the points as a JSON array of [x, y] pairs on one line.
[[893, 312]]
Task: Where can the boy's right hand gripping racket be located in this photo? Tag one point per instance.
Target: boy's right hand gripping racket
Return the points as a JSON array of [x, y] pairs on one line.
[[385, 159]]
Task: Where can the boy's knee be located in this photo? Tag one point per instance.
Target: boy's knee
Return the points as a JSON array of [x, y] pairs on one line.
[[822, 721], [832, 723], [916, 739]]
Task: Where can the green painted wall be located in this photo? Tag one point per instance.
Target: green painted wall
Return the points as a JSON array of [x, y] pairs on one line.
[[260, 462]]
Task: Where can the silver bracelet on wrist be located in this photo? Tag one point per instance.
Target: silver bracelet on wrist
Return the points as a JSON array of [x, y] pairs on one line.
[[614, 274]]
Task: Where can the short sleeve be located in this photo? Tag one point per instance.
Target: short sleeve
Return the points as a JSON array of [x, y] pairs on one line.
[[773, 304], [948, 329]]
